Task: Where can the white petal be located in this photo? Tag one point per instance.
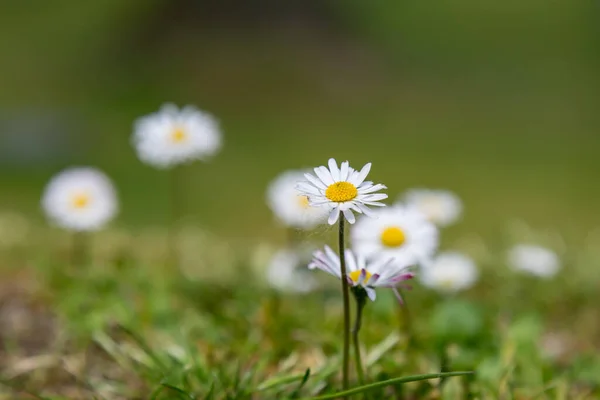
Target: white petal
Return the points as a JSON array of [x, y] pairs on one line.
[[350, 261], [344, 171], [371, 189], [333, 216], [349, 216], [335, 171], [324, 175], [374, 197], [315, 181], [363, 174], [371, 293], [305, 187]]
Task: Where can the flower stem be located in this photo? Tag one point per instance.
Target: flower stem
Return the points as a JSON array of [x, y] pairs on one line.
[[361, 300], [345, 362], [175, 214], [79, 250]]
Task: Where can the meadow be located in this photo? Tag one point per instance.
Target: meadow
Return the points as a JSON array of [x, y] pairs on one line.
[[164, 305]]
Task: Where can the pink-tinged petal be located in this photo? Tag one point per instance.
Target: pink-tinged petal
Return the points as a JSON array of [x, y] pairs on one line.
[[400, 278], [374, 279], [398, 296], [335, 171], [362, 276]]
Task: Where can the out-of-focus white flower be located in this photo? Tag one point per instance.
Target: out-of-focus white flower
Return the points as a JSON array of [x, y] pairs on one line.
[[368, 275], [535, 260], [342, 190], [450, 272], [172, 136], [80, 199], [397, 232], [290, 207], [441, 207], [284, 273]]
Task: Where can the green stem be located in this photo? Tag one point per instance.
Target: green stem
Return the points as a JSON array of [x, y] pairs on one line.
[[389, 382], [346, 353], [79, 250], [361, 301], [444, 361], [174, 215], [405, 321]]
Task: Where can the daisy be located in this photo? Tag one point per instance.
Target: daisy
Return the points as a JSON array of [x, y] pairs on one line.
[[290, 207], [367, 275], [535, 260], [398, 232], [80, 199], [450, 272], [174, 136], [343, 190], [284, 275], [441, 207]]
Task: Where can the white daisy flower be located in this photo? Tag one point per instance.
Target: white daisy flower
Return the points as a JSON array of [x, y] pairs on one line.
[[283, 273], [450, 272], [172, 136], [535, 260], [398, 232], [343, 189], [80, 199], [290, 207], [441, 207], [368, 275]]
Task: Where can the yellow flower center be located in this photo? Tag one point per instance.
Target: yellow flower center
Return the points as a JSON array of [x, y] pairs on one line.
[[303, 201], [393, 237], [341, 192], [178, 135], [80, 200], [355, 276]]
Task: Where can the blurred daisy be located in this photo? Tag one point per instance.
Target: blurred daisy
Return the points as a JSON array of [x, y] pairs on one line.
[[342, 189], [368, 275], [535, 260], [80, 199], [172, 136], [441, 207], [398, 232], [284, 274], [290, 207], [450, 272]]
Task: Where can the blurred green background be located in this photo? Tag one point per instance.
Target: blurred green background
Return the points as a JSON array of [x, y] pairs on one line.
[[497, 101]]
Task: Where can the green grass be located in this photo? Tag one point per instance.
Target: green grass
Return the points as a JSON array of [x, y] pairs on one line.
[[127, 326]]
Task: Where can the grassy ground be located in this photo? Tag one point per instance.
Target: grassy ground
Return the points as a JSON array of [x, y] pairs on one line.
[[125, 325]]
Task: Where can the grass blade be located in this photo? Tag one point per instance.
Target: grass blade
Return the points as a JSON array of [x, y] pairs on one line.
[[394, 381]]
